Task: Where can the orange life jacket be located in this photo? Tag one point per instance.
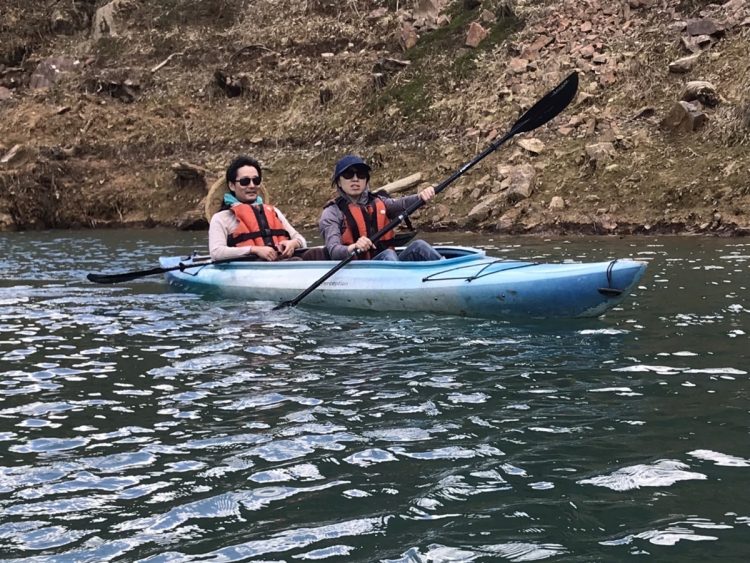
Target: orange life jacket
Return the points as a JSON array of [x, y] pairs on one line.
[[365, 220], [259, 225]]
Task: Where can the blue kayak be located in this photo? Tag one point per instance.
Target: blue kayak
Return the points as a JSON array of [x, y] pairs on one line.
[[465, 282]]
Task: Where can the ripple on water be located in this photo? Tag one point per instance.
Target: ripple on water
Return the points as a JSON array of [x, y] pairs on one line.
[[662, 473], [720, 458]]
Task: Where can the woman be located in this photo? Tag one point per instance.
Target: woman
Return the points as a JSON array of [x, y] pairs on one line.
[[245, 226], [348, 222]]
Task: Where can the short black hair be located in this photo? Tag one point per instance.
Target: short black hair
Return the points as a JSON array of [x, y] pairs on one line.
[[238, 163]]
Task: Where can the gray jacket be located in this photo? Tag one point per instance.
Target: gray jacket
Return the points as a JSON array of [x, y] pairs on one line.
[[332, 221]]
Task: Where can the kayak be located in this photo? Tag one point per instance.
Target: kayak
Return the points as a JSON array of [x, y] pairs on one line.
[[465, 282]]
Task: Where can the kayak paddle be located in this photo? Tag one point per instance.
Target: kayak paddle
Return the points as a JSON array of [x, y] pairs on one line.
[[540, 113], [127, 276]]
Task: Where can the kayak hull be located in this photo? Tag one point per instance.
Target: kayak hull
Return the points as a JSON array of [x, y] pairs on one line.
[[465, 283]]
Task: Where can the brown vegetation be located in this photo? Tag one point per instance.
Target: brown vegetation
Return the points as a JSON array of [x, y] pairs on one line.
[[95, 115]]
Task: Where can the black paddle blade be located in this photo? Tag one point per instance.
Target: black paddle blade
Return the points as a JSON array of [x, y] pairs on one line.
[[548, 107], [283, 305], [126, 276]]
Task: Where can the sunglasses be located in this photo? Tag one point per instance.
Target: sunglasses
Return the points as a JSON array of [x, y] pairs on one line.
[[255, 180], [361, 173]]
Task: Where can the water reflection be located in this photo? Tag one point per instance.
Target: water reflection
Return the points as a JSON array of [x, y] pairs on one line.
[[145, 425]]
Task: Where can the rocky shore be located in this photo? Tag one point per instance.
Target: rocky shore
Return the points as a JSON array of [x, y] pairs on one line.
[[125, 113]]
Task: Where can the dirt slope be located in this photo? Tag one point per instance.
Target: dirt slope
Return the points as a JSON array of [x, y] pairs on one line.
[[100, 103]]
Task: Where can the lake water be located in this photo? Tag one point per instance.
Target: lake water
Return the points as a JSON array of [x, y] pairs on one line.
[[139, 424]]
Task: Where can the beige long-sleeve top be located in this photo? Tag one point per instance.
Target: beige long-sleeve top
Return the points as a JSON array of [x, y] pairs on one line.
[[224, 223]]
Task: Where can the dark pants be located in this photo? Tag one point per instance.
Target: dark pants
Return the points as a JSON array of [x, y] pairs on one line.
[[417, 251]]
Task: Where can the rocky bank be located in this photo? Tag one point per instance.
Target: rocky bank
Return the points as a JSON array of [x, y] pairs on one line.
[[125, 113]]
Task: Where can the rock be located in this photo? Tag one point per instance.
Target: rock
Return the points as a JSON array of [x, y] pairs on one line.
[[683, 65], [108, 20], [487, 17], [704, 26], [325, 95], [189, 171], [17, 156], [606, 222], [518, 66], [690, 44], [703, 40], [427, 11], [6, 222], [598, 153], [5, 94], [685, 117], [475, 35], [68, 19], [232, 86], [599, 59], [192, 221], [377, 13], [408, 36], [520, 182], [587, 51], [644, 113], [379, 80], [557, 203], [534, 146], [49, 71], [483, 210], [702, 91], [113, 83], [508, 220], [385, 68]]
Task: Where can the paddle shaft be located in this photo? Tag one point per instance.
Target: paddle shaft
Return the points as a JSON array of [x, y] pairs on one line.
[[128, 276], [540, 113]]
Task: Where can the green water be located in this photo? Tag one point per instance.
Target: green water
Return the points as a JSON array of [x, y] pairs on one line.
[[142, 425]]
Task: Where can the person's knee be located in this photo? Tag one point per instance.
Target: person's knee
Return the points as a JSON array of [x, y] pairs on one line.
[[423, 250], [388, 255]]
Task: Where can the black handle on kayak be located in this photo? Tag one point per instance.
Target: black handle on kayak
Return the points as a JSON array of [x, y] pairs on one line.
[[540, 113]]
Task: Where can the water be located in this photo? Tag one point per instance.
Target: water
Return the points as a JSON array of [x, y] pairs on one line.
[[138, 424]]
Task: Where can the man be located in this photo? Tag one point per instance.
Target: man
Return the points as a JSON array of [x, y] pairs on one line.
[[245, 226]]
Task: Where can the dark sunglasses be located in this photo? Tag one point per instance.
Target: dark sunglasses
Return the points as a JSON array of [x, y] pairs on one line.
[[361, 173], [246, 181]]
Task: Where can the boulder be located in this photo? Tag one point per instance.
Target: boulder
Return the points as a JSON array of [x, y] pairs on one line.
[[534, 146], [475, 35], [408, 36], [705, 26], [18, 156], [109, 19], [520, 183], [683, 65], [557, 203], [484, 209], [7, 223], [68, 18], [48, 71], [702, 91], [427, 12], [599, 153], [684, 117]]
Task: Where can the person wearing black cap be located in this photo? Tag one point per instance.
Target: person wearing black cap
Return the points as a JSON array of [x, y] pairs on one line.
[[356, 214]]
